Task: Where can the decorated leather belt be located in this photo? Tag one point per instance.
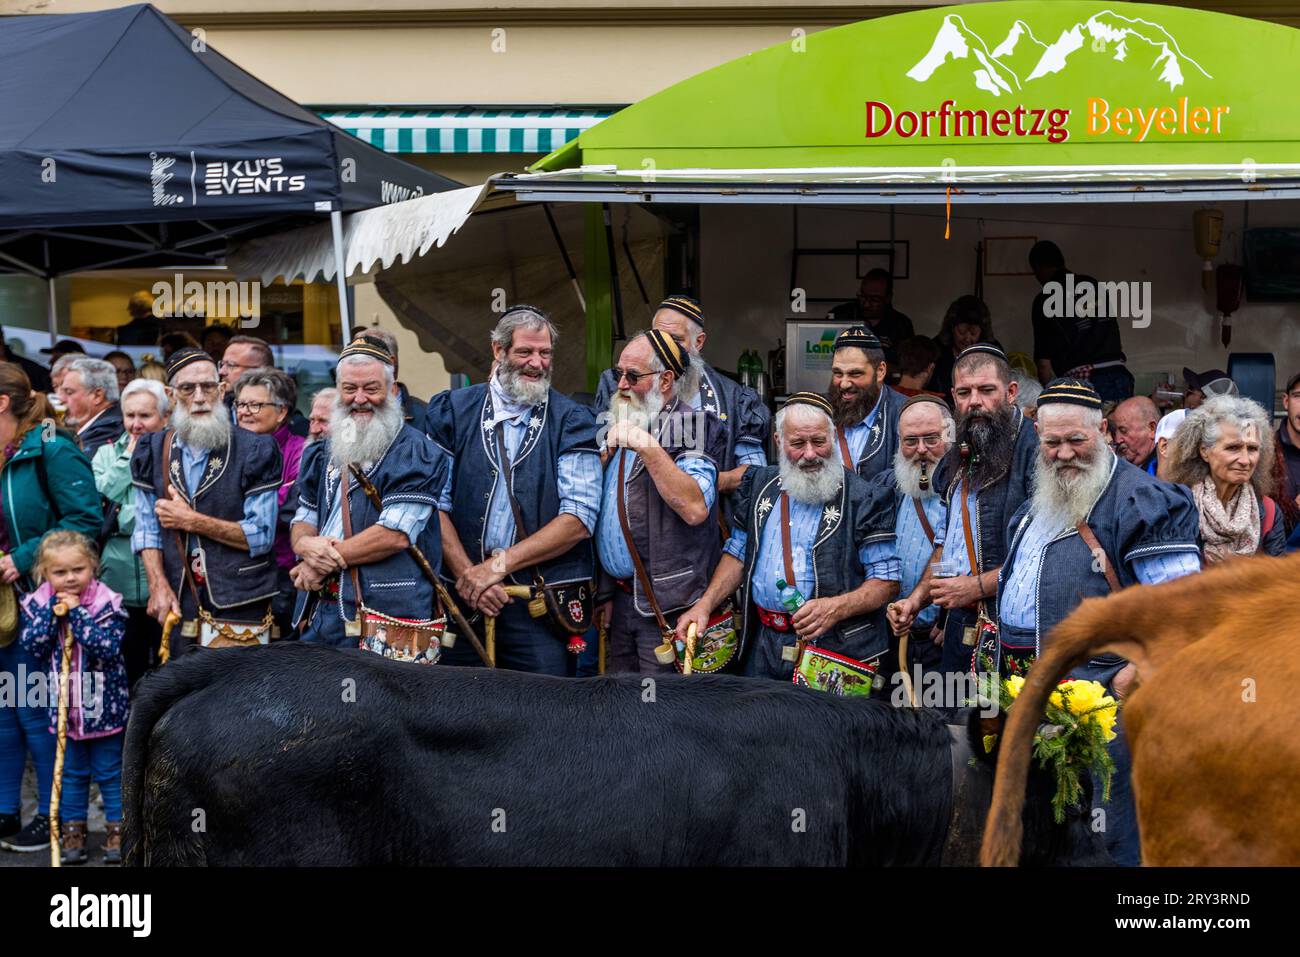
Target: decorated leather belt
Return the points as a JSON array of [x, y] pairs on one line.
[[776, 620], [329, 589]]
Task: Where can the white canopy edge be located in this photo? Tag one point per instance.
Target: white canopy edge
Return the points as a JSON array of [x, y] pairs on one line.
[[379, 236]]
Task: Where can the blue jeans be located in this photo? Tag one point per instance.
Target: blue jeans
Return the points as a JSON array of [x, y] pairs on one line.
[[23, 729], [1121, 834], [98, 758], [326, 628], [523, 643], [1113, 384]]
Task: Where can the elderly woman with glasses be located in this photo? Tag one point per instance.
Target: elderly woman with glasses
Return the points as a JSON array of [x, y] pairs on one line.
[[264, 401], [1224, 452], [144, 410]]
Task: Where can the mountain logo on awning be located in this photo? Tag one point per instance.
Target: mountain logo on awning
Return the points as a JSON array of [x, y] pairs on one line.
[[1021, 57]]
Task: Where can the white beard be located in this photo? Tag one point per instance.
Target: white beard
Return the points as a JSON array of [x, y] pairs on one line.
[[521, 390], [208, 432], [907, 476], [690, 386], [639, 411], [1064, 505], [350, 441], [815, 486]]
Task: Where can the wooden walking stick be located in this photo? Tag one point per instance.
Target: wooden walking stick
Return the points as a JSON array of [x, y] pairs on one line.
[[490, 638], [165, 649], [603, 633], [413, 550], [56, 792]]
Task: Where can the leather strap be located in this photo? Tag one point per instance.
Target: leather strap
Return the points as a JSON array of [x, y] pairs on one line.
[[845, 454], [970, 541], [925, 522], [507, 473], [965, 527], [345, 508], [786, 552], [1094, 546], [641, 575], [187, 574]]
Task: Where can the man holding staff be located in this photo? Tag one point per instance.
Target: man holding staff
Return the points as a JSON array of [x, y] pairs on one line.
[[355, 560], [520, 500], [816, 525]]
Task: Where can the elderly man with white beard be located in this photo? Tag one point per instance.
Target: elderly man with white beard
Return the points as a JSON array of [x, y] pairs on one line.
[[359, 584], [1094, 524], [812, 523], [657, 537], [205, 511], [926, 430], [744, 417], [521, 498]]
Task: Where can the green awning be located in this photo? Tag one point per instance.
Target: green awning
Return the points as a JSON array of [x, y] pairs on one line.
[[466, 130]]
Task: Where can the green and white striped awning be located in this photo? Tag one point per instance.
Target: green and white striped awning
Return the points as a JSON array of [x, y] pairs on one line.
[[466, 131]]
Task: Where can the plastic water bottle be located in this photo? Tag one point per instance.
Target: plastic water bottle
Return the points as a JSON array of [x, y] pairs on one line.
[[791, 598]]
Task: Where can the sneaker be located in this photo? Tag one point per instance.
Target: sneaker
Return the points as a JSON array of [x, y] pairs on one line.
[[113, 842], [10, 824], [34, 837], [72, 842]]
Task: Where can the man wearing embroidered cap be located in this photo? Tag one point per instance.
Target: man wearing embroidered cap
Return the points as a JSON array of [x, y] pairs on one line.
[[1094, 524], [741, 411], [522, 454], [926, 430], [355, 572], [811, 523], [205, 509], [987, 474], [657, 537], [865, 408]]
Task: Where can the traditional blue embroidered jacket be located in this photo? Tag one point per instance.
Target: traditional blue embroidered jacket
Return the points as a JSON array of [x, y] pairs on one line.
[[459, 422], [1135, 517], [411, 470], [858, 515], [249, 463]]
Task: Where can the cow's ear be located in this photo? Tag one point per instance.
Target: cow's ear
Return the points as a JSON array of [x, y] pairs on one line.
[[985, 730]]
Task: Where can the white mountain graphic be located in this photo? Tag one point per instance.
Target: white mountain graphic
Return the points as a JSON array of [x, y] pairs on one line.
[[1022, 58]]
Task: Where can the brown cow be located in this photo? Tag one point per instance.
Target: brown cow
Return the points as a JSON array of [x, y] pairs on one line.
[[1213, 728]]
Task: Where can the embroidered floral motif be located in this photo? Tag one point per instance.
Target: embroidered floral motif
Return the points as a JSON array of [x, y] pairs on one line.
[[764, 506], [830, 516]]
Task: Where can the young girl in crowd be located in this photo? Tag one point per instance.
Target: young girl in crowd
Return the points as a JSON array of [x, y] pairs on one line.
[[66, 564]]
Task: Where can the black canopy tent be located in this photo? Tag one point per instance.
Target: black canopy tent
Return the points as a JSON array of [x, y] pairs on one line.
[[127, 141]]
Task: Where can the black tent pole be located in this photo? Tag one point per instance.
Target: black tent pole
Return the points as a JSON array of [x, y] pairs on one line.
[[564, 254], [613, 273]]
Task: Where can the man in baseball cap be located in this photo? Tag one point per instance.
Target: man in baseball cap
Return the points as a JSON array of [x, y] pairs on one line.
[[1206, 385]]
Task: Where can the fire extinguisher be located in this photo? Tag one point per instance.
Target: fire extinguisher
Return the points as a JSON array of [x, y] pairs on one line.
[[1229, 280]]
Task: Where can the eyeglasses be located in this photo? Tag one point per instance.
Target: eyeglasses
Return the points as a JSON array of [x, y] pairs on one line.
[[187, 389], [254, 408], [931, 441], [632, 377], [227, 364]]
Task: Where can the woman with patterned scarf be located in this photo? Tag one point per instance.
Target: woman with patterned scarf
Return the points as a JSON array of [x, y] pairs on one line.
[[1224, 453]]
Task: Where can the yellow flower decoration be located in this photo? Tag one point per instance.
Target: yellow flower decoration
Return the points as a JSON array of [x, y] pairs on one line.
[[1014, 684]]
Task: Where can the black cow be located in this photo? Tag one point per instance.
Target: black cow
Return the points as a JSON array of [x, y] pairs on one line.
[[303, 755]]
